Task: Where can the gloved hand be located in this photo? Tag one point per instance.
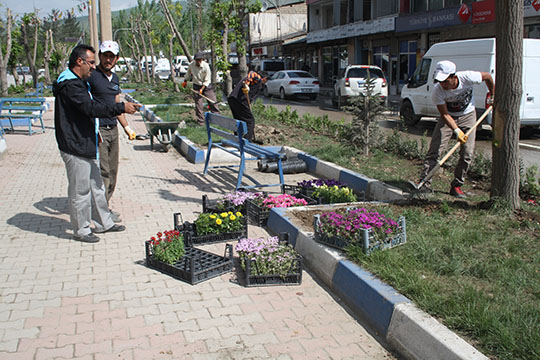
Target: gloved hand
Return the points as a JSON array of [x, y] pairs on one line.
[[201, 90], [245, 89], [460, 135], [130, 133], [184, 84]]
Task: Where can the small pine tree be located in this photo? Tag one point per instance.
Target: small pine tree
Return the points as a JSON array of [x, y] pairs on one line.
[[365, 108]]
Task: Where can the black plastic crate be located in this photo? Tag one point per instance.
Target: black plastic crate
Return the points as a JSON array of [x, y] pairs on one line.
[[190, 232], [294, 277], [308, 193], [195, 266], [258, 215], [212, 206]]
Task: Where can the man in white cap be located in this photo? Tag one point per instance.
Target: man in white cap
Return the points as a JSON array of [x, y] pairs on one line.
[[105, 88], [453, 96], [199, 73]]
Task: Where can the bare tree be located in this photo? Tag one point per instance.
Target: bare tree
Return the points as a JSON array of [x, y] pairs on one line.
[[145, 52], [171, 63], [172, 24], [47, 53], [4, 58], [147, 26], [509, 57], [29, 21]]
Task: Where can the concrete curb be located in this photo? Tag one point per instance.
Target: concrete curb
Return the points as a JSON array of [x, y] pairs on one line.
[[412, 332]]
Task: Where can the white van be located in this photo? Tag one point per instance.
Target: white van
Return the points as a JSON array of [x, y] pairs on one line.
[[180, 65], [163, 69], [269, 66], [479, 55], [122, 64], [147, 59]]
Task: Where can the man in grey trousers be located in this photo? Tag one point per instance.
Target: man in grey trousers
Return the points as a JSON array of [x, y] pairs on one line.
[[77, 135]]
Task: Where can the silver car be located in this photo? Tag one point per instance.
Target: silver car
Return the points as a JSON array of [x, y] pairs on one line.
[[288, 83]]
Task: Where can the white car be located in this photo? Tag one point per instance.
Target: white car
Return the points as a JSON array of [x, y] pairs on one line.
[[287, 83], [163, 69], [354, 80]]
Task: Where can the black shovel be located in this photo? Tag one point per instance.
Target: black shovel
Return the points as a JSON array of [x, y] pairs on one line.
[[432, 172]]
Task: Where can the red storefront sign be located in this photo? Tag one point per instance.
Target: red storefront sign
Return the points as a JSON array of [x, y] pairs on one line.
[[483, 11]]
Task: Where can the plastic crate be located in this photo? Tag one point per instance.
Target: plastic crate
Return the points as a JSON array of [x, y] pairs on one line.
[[258, 215], [365, 237], [294, 277], [190, 232], [195, 266], [308, 192], [211, 206]]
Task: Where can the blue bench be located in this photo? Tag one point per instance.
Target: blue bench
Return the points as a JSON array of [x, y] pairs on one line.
[[21, 112], [38, 92], [231, 132]]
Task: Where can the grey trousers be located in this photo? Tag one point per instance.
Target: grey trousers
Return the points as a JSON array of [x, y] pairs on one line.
[[86, 195], [199, 111], [108, 159], [439, 141]]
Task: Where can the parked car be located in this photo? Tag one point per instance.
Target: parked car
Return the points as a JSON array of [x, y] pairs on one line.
[[353, 83], [269, 66], [163, 69], [180, 65], [292, 82], [23, 70], [122, 64]]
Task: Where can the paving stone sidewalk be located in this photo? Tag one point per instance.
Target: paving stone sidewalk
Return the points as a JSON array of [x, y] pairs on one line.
[[62, 299]]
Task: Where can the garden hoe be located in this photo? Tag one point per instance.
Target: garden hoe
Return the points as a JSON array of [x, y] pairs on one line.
[[204, 97], [420, 185]]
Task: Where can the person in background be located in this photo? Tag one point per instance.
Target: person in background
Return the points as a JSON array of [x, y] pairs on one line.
[[241, 98], [105, 88], [77, 134], [453, 96], [199, 73]]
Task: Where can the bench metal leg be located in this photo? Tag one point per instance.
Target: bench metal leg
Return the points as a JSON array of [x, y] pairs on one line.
[[207, 158], [241, 170], [280, 170]]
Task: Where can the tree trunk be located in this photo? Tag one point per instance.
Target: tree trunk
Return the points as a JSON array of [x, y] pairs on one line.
[[4, 58], [30, 54], [140, 33], [33, 67], [136, 55], [198, 34], [47, 55], [241, 40], [225, 47], [15, 77], [171, 57], [173, 27], [152, 54], [509, 57]]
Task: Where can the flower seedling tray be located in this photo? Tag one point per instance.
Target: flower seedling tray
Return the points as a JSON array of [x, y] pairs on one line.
[[212, 206], [308, 192], [294, 277], [195, 266], [190, 231], [366, 238], [258, 214]]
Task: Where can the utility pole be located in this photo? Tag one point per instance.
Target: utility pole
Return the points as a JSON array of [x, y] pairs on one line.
[[92, 19], [105, 20]]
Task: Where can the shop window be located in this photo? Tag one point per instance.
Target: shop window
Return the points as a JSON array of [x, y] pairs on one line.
[[420, 75], [381, 57], [327, 65], [366, 15], [532, 31], [435, 5], [407, 59]]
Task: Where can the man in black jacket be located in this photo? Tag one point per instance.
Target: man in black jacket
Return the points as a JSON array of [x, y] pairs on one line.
[[77, 134]]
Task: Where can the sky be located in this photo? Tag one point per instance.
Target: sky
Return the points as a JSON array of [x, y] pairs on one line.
[[45, 6]]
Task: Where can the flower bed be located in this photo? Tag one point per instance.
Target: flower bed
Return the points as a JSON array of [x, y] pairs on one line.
[[235, 201], [328, 191], [267, 262], [188, 264], [212, 228], [371, 229], [258, 209]]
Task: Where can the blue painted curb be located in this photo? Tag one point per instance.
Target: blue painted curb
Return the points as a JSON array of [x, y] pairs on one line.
[[278, 220]]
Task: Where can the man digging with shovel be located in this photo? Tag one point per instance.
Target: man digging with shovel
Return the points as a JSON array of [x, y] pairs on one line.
[[453, 96]]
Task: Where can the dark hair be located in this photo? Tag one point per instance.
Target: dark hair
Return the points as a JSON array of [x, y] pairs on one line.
[[79, 51]]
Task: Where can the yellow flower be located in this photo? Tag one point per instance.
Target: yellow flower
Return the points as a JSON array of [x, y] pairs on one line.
[[238, 214], [212, 216], [223, 214], [218, 221], [232, 217], [230, 213], [335, 187]]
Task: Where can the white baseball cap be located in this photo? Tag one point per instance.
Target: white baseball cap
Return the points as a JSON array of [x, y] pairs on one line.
[[443, 69], [109, 45]]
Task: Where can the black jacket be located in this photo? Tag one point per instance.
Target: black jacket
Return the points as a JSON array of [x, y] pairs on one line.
[[75, 113]]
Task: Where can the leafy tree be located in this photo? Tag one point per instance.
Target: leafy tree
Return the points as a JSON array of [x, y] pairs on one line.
[[5, 53]]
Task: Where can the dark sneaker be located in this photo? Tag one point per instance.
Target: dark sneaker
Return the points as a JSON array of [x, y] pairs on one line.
[[115, 217], [114, 228], [90, 238], [457, 192]]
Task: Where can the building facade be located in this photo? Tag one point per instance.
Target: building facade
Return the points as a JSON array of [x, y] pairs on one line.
[[392, 34]]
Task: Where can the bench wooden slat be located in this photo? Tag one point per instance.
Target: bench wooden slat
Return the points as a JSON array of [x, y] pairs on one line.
[[234, 143]]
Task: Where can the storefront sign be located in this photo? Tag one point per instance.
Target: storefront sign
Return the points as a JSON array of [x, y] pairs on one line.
[[352, 30], [259, 51], [483, 11], [531, 8], [434, 19]]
